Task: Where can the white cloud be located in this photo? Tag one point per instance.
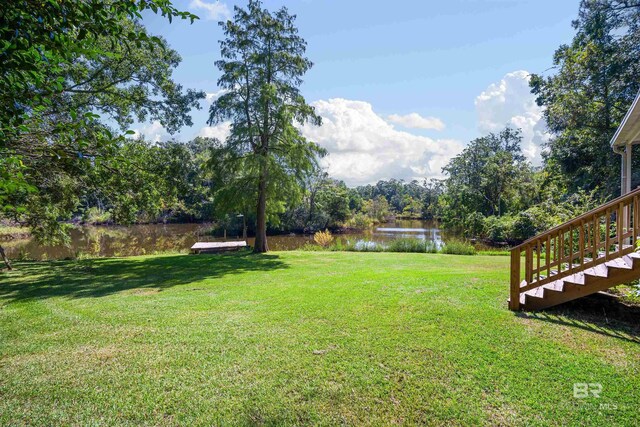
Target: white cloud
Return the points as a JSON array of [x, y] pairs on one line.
[[153, 132], [220, 131], [510, 102], [363, 147], [212, 96], [213, 11], [416, 121]]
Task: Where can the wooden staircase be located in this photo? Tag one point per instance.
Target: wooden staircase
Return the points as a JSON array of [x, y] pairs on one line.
[[588, 254]]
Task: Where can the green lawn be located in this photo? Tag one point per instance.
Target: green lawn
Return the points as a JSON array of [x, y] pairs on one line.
[[299, 338]]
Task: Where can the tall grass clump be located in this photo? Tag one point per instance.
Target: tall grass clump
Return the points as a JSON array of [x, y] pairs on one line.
[[364, 246], [310, 247], [408, 244], [458, 247], [339, 246], [323, 238], [95, 215]]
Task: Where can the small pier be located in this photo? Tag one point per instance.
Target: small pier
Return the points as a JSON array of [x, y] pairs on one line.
[[213, 247]]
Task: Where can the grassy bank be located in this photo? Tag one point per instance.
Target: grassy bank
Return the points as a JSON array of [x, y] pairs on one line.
[[13, 231], [320, 338]]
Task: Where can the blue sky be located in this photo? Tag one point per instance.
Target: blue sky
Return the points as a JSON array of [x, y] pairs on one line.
[[402, 86]]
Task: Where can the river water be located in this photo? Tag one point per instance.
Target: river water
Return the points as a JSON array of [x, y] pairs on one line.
[[110, 241]]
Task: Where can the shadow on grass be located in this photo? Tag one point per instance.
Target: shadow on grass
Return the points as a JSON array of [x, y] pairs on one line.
[[600, 313], [100, 277]]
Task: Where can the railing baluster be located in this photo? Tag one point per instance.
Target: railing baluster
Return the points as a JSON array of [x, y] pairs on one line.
[[528, 266], [561, 259], [596, 237], [634, 226], [538, 260], [627, 224], [570, 248], [592, 237], [619, 226], [587, 236], [548, 255], [607, 235], [581, 243]]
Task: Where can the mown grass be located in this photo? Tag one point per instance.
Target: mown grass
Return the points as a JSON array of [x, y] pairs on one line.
[[304, 338]]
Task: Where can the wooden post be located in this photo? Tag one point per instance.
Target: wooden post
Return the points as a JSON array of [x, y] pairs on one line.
[[514, 300]]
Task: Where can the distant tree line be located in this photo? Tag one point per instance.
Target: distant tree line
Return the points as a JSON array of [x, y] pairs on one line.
[[185, 182]]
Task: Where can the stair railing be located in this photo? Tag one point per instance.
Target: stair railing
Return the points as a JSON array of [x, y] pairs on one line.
[[605, 233]]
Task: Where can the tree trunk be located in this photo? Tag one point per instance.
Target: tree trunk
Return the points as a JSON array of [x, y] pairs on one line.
[[5, 258], [261, 217]]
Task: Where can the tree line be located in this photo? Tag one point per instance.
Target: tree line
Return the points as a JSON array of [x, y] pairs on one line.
[[493, 193], [174, 181], [76, 75]]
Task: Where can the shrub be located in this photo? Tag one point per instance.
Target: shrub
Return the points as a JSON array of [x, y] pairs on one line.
[[339, 246], [458, 247], [475, 224], [23, 255], [498, 229], [523, 227], [323, 238], [310, 247], [360, 221]]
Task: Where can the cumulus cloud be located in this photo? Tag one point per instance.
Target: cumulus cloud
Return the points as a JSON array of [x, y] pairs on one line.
[[416, 121], [220, 131], [212, 96], [363, 147], [212, 11], [153, 132], [510, 102]]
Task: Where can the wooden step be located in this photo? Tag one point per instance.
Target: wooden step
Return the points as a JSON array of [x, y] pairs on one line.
[[556, 286], [576, 278], [618, 263], [599, 270], [588, 281]]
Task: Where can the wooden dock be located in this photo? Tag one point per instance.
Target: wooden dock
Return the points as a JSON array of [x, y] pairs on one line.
[[212, 247]]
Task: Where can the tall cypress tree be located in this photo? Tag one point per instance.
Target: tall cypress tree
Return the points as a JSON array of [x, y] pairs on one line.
[[262, 67]]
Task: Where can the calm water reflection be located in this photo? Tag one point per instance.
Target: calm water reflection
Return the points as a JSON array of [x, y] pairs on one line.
[[149, 239]]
